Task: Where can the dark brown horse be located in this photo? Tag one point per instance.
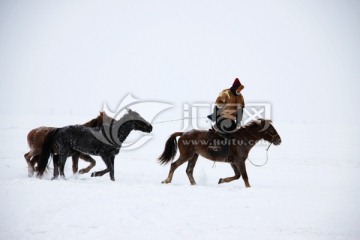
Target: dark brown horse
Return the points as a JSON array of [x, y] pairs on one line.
[[194, 143], [104, 141], [37, 136]]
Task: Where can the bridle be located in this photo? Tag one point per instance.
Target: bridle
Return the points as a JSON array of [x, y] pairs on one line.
[[141, 124]]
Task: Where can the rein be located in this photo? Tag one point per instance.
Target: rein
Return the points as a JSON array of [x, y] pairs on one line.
[[267, 158]]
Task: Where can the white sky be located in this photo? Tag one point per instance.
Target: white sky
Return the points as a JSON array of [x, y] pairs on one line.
[[67, 57]]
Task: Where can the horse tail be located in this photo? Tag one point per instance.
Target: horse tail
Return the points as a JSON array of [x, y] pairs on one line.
[[46, 151], [170, 149]]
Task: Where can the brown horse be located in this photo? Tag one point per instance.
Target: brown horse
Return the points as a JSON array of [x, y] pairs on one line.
[[194, 143], [37, 136]]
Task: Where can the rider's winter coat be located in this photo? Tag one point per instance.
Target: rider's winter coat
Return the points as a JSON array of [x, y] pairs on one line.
[[229, 103]]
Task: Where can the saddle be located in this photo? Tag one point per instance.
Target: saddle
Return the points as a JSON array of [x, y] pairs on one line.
[[219, 144]]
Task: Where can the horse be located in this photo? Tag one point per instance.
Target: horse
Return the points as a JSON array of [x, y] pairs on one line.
[[36, 138], [196, 142], [104, 141]]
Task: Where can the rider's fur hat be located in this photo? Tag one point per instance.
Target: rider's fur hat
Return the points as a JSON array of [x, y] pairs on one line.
[[235, 86], [236, 83]]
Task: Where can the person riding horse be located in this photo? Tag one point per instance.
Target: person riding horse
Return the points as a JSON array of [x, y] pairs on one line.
[[227, 114]]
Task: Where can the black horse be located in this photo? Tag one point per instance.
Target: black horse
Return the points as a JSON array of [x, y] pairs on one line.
[[104, 141]]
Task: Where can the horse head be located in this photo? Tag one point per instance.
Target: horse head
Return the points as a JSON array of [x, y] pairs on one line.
[[269, 133], [138, 122]]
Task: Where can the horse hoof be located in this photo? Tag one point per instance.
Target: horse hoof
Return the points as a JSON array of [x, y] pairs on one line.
[[112, 179], [93, 174], [81, 171], [53, 178], [30, 173], [221, 181]]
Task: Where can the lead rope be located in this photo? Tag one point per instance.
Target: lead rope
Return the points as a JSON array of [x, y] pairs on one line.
[[214, 166], [180, 119], [267, 158]]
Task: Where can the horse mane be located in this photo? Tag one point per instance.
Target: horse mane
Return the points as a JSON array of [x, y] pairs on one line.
[[129, 116], [257, 124], [96, 121], [253, 123]]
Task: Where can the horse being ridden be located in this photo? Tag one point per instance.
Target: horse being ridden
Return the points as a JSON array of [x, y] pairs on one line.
[[193, 143], [36, 138], [104, 141]]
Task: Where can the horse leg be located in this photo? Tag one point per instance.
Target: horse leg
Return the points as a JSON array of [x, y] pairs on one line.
[[107, 160], [173, 167], [35, 160], [62, 161], [100, 173], [242, 168], [27, 157], [112, 160], [31, 170], [229, 179], [75, 162], [89, 159], [190, 168], [56, 167]]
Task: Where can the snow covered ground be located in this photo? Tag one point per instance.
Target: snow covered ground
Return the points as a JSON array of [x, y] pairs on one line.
[[310, 189]]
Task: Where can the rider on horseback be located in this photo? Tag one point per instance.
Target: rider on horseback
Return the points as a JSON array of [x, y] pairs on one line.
[[228, 112]]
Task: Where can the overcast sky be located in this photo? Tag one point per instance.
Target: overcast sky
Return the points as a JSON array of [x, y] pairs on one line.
[[69, 57]]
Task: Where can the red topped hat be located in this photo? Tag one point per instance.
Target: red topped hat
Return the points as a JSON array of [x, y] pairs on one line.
[[236, 84]]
